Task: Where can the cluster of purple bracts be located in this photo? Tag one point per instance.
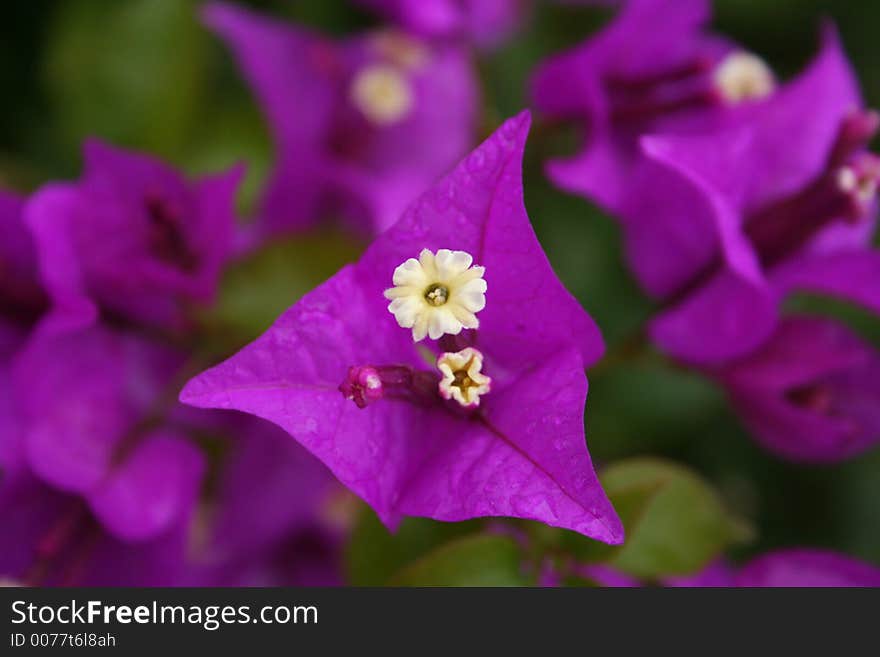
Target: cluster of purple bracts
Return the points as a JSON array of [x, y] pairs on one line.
[[735, 191], [464, 396], [106, 479]]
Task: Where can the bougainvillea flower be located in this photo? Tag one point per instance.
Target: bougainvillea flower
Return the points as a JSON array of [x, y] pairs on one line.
[[795, 567], [655, 68], [486, 23], [811, 392], [132, 237], [91, 404], [51, 538], [728, 223], [338, 373], [387, 114]]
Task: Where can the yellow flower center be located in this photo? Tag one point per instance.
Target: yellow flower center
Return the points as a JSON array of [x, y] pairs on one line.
[[437, 294], [382, 94]]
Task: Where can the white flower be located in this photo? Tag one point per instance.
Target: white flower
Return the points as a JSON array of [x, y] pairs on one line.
[[382, 93], [437, 294], [462, 379], [742, 76]]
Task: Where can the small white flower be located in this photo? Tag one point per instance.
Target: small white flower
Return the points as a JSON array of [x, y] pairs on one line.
[[743, 76], [462, 379], [382, 93], [437, 294]]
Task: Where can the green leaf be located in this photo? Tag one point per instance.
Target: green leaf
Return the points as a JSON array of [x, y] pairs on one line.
[[230, 134], [374, 554], [480, 560], [680, 524], [630, 502], [131, 72]]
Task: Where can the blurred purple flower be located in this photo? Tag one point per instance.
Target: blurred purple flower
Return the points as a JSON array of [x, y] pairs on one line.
[[100, 471], [361, 126], [106, 471], [719, 573], [265, 524], [811, 393], [655, 68], [485, 23], [91, 408], [472, 442], [51, 538], [728, 224], [807, 567], [311, 556], [795, 567], [94, 490], [132, 237], [607, 576]]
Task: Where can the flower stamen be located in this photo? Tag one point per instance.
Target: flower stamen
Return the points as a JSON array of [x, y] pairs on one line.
[[463, 379], [382, 94], [437, 294]]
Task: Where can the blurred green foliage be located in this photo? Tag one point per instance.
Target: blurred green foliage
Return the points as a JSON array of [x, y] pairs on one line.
[[478, 560], [145, 74], [256, 290], [374, 556], [675, 522], [682, 525]]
